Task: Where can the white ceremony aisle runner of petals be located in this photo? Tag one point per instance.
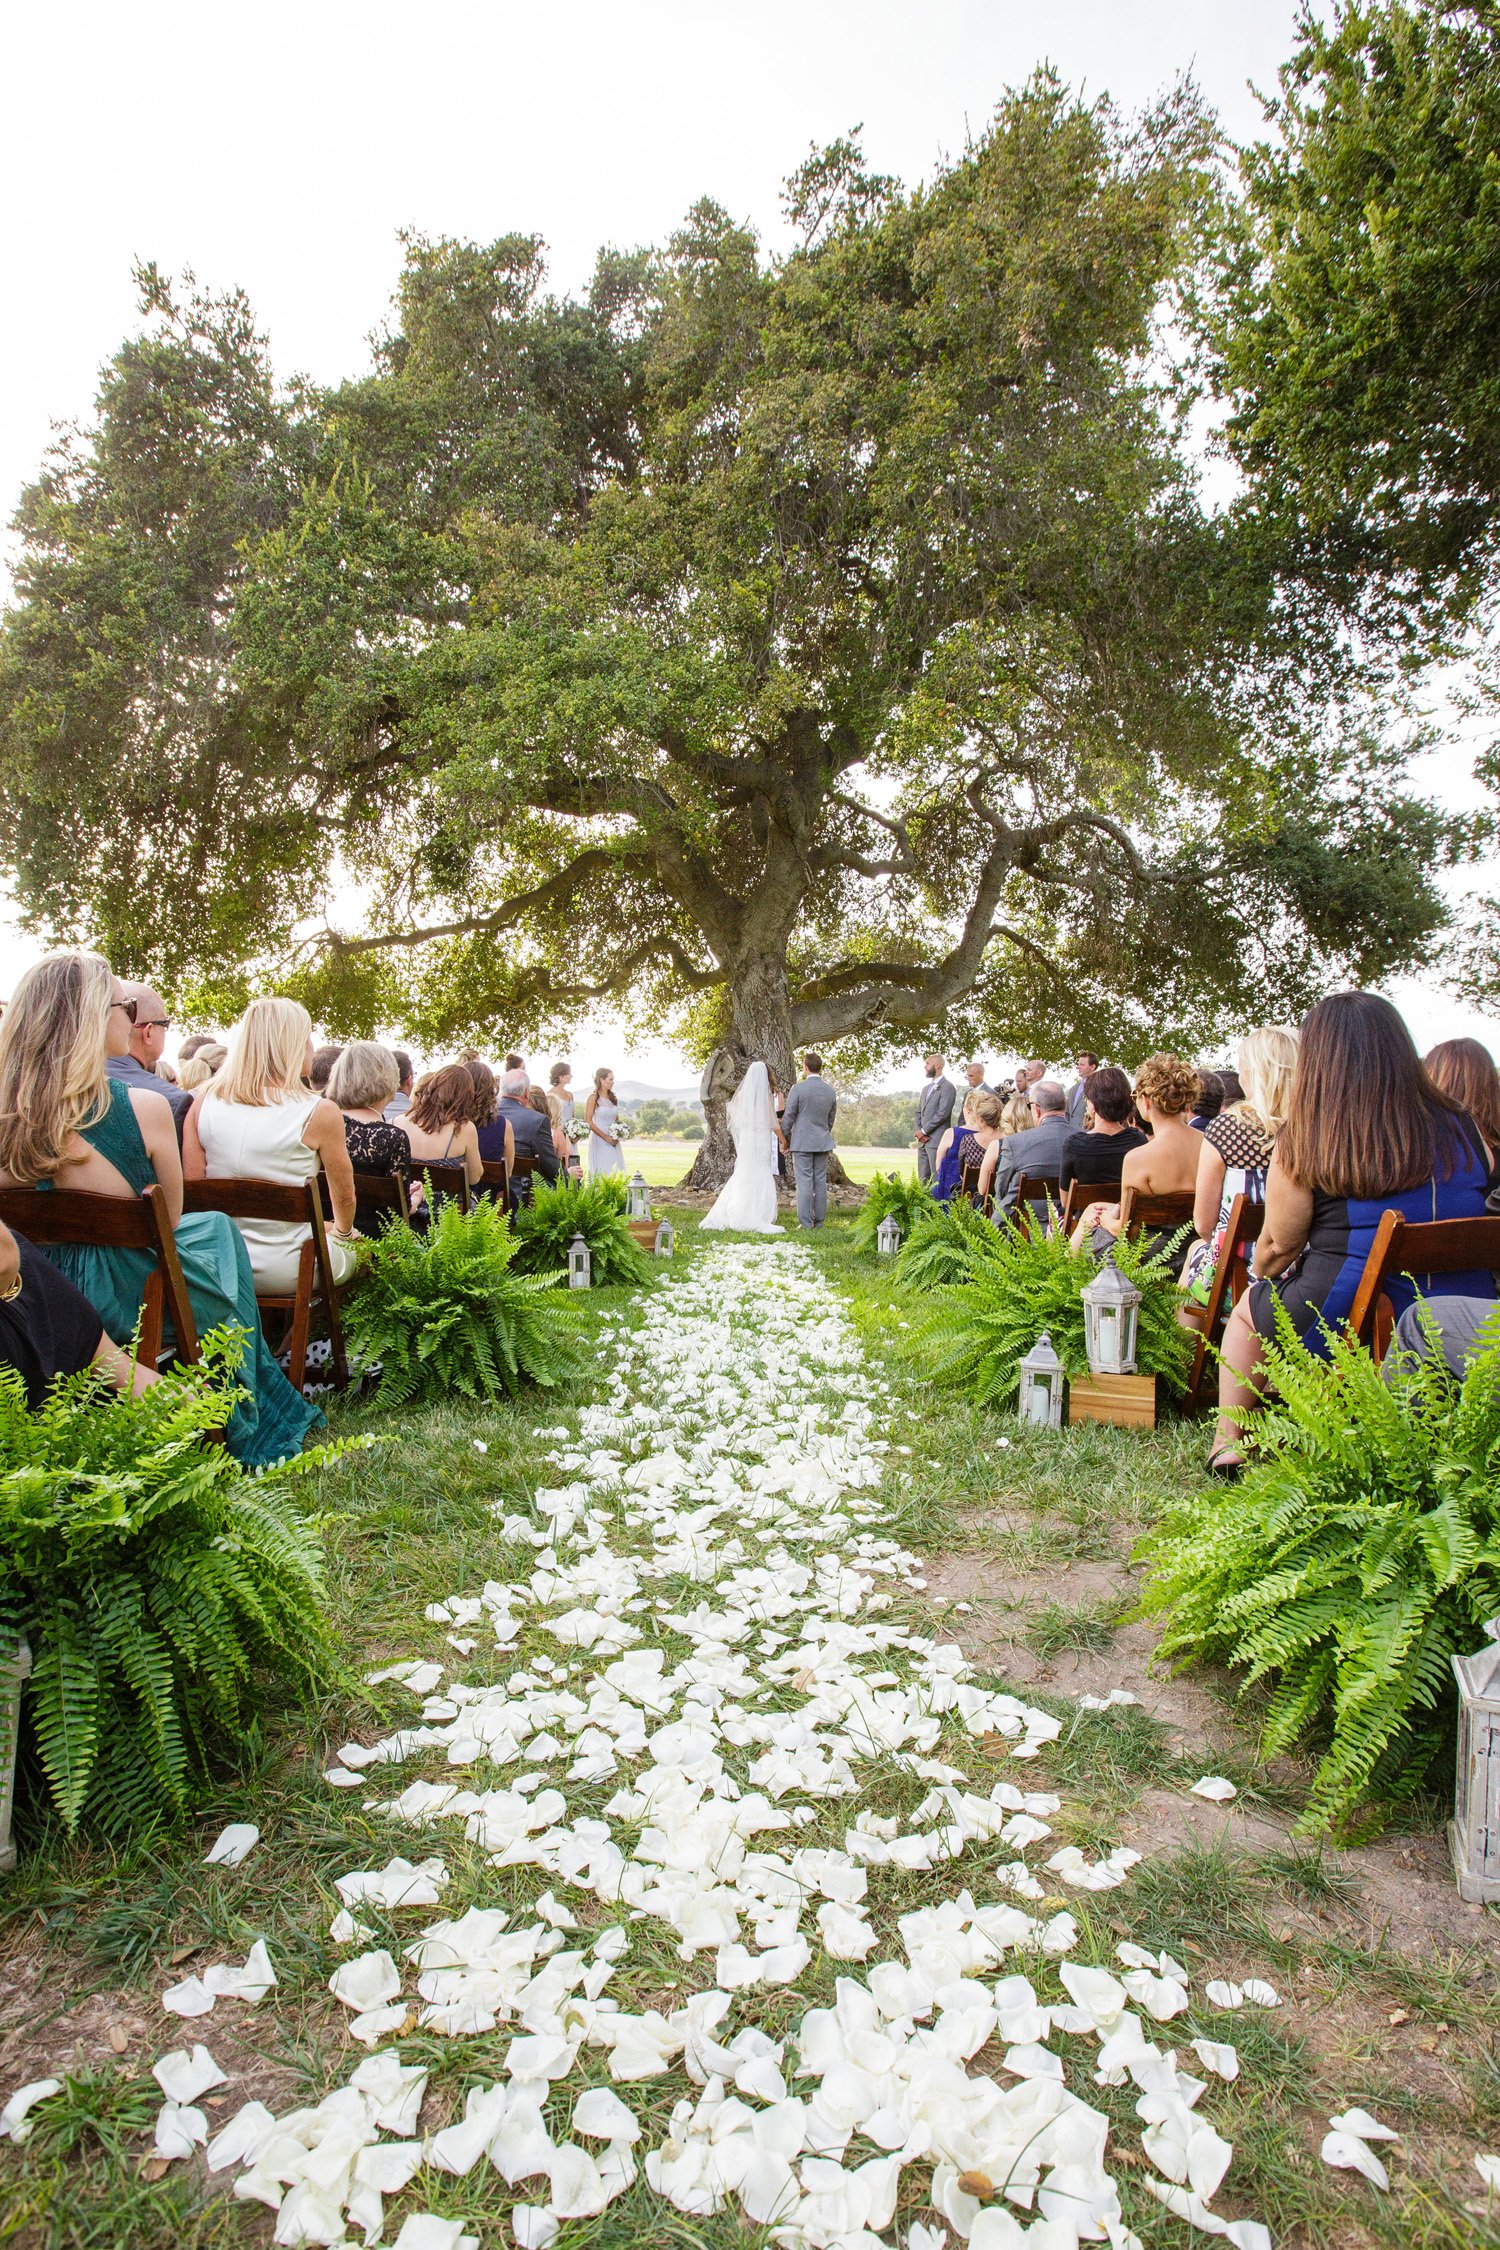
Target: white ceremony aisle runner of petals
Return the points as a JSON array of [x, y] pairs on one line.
[[732, 1745]]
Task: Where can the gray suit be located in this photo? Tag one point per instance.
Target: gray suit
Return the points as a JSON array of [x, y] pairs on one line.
[[1038, 1151], [1076, 1104], [934, 1111], [807, 1122]]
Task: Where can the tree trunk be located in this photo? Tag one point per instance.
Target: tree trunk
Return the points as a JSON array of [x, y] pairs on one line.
[[760, 1031]]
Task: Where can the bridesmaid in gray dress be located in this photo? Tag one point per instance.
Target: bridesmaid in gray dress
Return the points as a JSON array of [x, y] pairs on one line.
[[602, 1112]]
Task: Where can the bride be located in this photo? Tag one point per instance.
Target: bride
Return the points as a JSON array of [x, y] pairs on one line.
[[747, 1201]]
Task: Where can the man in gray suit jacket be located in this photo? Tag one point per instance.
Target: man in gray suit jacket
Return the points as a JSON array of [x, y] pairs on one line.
[[934, 1113], [807, 1122], [1038, 1150]]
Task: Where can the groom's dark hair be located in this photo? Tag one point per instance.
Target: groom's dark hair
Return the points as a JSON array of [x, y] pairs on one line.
[[812, 1062]]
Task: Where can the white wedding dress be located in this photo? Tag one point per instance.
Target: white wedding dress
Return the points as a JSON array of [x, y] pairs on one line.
[[747, 1200]]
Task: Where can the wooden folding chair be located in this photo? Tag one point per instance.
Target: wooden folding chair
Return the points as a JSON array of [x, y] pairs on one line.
[[523, 1167], [1080, 1192], [49, 1217], [494, 1181], [1421, 1249], [1231, 1280], [315, 1284], [444, 1182], [968, 1180], [1031, 1188], [375, 1193], [1141, 1213]]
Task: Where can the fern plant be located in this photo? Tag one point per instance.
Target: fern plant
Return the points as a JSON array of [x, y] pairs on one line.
[[596, 1210], [151, 1576], [905, 1200], [1359, 1552], [443, 1313], [947, 1244], [978, 1333]]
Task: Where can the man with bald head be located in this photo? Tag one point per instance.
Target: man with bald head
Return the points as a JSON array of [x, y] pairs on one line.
[[147, 1038]]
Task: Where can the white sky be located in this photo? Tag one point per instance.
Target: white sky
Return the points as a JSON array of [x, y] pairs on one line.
[[281, 148]]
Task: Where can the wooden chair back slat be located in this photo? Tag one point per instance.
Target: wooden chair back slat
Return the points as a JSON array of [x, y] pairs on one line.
[[446, 1180], [1420, 1249], [49, 1217], [495, 1179], [1044, 1188], [1158, 1214], [295, 1206], [1080, 1192], [1231, 1274], [378, 1191]]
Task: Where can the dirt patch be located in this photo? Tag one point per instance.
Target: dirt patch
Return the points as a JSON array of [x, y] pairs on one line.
[[1406, 1892]]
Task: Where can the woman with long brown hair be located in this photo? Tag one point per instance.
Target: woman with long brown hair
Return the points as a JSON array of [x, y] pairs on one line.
[[1367, 1131], [1465, 1071], [440, 1122]]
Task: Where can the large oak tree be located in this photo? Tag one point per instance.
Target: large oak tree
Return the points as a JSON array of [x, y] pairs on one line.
[[831, 648]]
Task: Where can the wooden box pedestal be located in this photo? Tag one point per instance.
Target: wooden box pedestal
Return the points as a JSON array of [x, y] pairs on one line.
[[1129, 1401], [644, 1231]]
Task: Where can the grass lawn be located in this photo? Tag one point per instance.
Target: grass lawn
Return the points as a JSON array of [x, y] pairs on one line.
[[1390, 1988], [664, 1163]]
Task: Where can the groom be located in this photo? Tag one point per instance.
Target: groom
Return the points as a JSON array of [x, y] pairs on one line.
[[807, 1123]]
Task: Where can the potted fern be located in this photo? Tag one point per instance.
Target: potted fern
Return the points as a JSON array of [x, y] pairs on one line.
[[442, 1313], [596, 1210], [154, 1580], [1020, 1284]]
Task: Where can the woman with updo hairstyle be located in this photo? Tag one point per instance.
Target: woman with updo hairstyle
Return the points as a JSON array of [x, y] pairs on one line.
[[198, 1068], [1166, 1090]]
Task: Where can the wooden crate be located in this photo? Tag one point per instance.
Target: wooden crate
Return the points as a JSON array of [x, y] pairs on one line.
[[644, 1231], [1129, 1401]]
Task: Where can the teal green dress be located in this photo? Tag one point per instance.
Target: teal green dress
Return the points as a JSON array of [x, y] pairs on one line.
[[274, 1420]]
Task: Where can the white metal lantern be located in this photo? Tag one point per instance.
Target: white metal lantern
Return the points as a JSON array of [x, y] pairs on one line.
[[888, 1236], [664, 1239], [1474, 1831], [1041, 1399], [1111, 1315], [580, 1264], [638, 1204]]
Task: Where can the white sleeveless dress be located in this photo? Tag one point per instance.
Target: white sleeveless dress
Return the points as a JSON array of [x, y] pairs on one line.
[[244, 1142], [603, 1155]]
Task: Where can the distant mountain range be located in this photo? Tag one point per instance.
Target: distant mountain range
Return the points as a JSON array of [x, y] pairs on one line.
[[681, 1097]]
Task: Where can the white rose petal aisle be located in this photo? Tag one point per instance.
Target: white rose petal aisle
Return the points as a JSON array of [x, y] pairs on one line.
[[726, 1752]]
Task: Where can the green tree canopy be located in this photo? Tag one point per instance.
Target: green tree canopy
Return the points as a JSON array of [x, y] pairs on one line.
[[794, 649]]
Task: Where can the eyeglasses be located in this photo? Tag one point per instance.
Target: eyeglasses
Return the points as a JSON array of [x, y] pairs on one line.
[[152, 1023], [128, 1006]]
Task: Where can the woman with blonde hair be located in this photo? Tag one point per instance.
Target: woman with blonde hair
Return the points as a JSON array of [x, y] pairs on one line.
[[198, 1068], [1236, 1147], [65, 1123], [1166, 1088], [259, 1121]]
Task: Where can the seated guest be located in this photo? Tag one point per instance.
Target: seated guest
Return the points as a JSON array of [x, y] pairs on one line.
[[547, 1105], [516, 1062], [1230, 1081], [986, 1132], [1095, 1152], [320, 1069], [1236, 1147], [1366, 1132], [1211, 1098], [440, 1122], [65, 1123], [259, 1120], [1166, 1089], [957, 1150], [1038, 1150], [1464, 1326], [497, 1143], [195, 1070], [1016, 1113], [195, 1043], [400, 1101], [149, 1025], [48, 1328], [363, 1081], [531, 1136], [1465, 1071]]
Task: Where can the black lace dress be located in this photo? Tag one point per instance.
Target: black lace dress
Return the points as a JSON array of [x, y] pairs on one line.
[[376, 1147]]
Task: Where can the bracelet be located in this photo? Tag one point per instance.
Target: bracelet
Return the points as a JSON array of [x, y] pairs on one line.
[[9, 1296]]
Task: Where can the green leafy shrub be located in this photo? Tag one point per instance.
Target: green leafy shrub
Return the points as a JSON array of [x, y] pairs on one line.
[[978, 1333], [904, 1199], [946, 1245], [596, 1210], [151, 1576], [444, 1315], [1359, 1552]]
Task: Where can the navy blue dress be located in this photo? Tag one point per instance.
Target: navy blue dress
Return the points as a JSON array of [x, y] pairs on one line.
[[1318, 1291]]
